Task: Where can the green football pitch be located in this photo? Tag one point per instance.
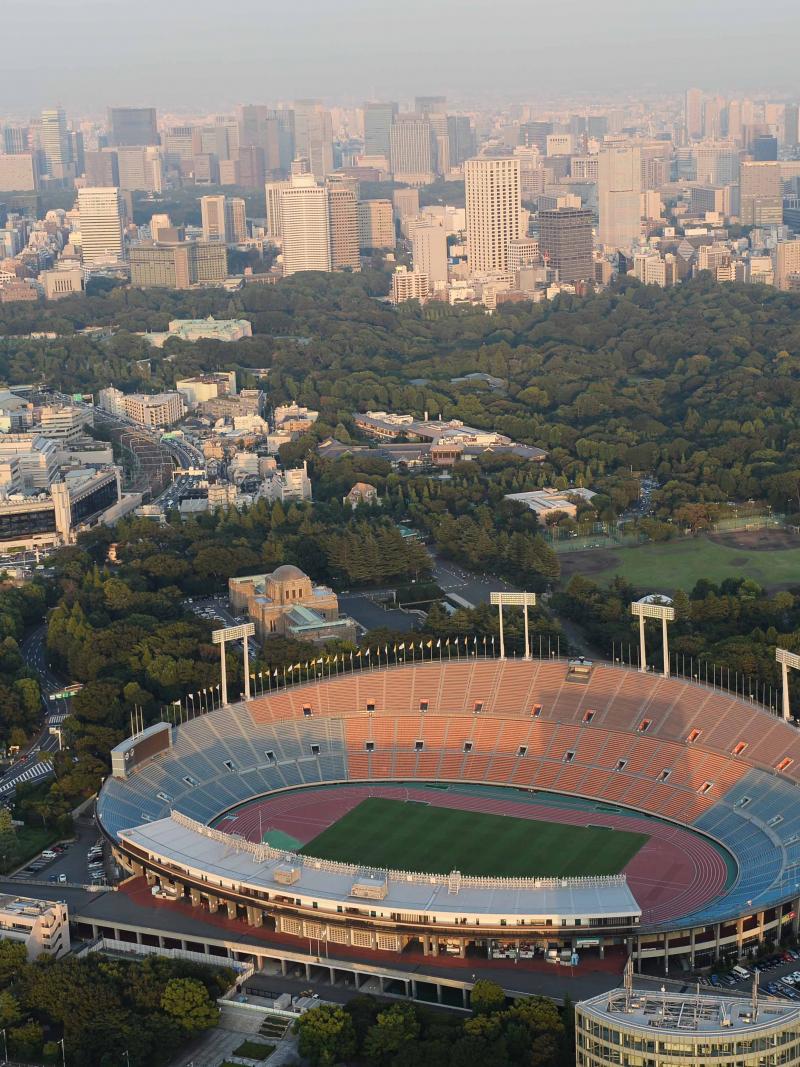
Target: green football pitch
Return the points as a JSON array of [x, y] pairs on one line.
[[410, 836]]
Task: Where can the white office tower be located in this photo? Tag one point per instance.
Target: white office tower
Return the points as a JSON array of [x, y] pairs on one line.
[[430, 255], [101, 214], [235, 220], [313, 136], [305, 228], [619, 192], [494, 212]]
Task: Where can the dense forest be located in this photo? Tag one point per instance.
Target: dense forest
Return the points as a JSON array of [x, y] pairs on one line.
[[699, 384], [104, 1008], [531, 1032]]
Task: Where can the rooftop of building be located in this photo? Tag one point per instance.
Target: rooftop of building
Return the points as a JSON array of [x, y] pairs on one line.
[[685, 1014]]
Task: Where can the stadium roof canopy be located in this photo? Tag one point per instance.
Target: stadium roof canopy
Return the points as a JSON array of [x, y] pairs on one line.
[[228, 862]]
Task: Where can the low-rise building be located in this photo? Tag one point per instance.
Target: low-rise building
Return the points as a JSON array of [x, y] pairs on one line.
[[289, 486], [41, 925], [61, 282], [361, 493], [286, 603], [152, 410], [206, 386], [203, 329], [409, 285], [548, 501], [292, 418], [661, 1029]]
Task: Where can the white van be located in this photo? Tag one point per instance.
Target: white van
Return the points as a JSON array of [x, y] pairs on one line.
[[740, 972], [48, 854]]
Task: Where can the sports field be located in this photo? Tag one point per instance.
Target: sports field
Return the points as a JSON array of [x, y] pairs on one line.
[[770, 557], [407, 835]]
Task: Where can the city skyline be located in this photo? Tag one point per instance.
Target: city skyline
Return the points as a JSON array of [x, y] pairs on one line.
[[342, 54]]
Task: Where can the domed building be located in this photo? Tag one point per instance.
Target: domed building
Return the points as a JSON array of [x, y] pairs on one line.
[[286, 603]]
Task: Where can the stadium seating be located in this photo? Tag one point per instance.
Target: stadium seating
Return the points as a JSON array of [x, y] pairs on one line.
[[667, 747]]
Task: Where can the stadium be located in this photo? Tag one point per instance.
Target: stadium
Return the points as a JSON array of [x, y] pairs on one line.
[[478, 808]]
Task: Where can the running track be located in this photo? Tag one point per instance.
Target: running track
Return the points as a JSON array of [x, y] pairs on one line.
[[674, 873]]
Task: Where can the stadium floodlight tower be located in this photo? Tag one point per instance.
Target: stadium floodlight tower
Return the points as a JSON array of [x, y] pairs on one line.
[[513, 600], [234, 633], [786, 660], [653, 607]]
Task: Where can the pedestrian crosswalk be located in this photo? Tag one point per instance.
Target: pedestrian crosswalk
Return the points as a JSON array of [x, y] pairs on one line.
[[33, 773]]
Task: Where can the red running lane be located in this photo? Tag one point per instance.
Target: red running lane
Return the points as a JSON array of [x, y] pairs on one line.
[[674, 873]]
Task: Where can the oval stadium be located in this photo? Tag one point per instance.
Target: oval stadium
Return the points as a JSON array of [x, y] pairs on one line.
[[507, 810]]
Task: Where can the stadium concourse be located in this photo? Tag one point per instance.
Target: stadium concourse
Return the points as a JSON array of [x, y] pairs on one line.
[[691, 788]]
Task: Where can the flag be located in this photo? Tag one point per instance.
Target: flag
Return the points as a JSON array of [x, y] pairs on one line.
[[276, 672], [403, 647], [439, 643], [430, 644], [395, 649], [320, 659], [386, 650], [447, 642], [368, 653]]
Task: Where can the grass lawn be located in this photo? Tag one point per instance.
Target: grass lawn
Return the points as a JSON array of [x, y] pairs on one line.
[[418, 837], [254, 1050], [680, 564]]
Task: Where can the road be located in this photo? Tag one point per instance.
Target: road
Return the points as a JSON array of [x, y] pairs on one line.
[[28, 767], [473, 588]]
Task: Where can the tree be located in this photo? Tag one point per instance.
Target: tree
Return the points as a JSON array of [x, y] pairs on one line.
[[10, 1013], [26, 1040], [487, 997], [188, 1002], [326, 1035], [394, 1028], [13, 959]]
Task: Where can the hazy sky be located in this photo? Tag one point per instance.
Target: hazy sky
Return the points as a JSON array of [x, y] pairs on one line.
[[86, 54]]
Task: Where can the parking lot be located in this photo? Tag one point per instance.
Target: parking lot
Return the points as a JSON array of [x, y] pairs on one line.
[[69, 862], [778, 976]]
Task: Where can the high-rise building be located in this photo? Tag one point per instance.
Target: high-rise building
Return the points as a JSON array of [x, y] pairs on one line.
[[693, 113], [273, 198], [790, 125], [760, 193], [130, 126], [376, 224], [235, 220], [535, 134], [619, 190], [494, 212], [434, 109], [430, 254], [787, 264], [140, 168], [343, 221], [765, 148], [258, 128], [565, 241], [717, 163], [378, 120], [413, 149], [55, 143], [313, 136], [251, 167], [305, 229], [15, 140], [461, 136], [178, 266], [101, 214], [406, 202], [713, 109], [18, 173], [102, 167], [212, 214], [224, 219]]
